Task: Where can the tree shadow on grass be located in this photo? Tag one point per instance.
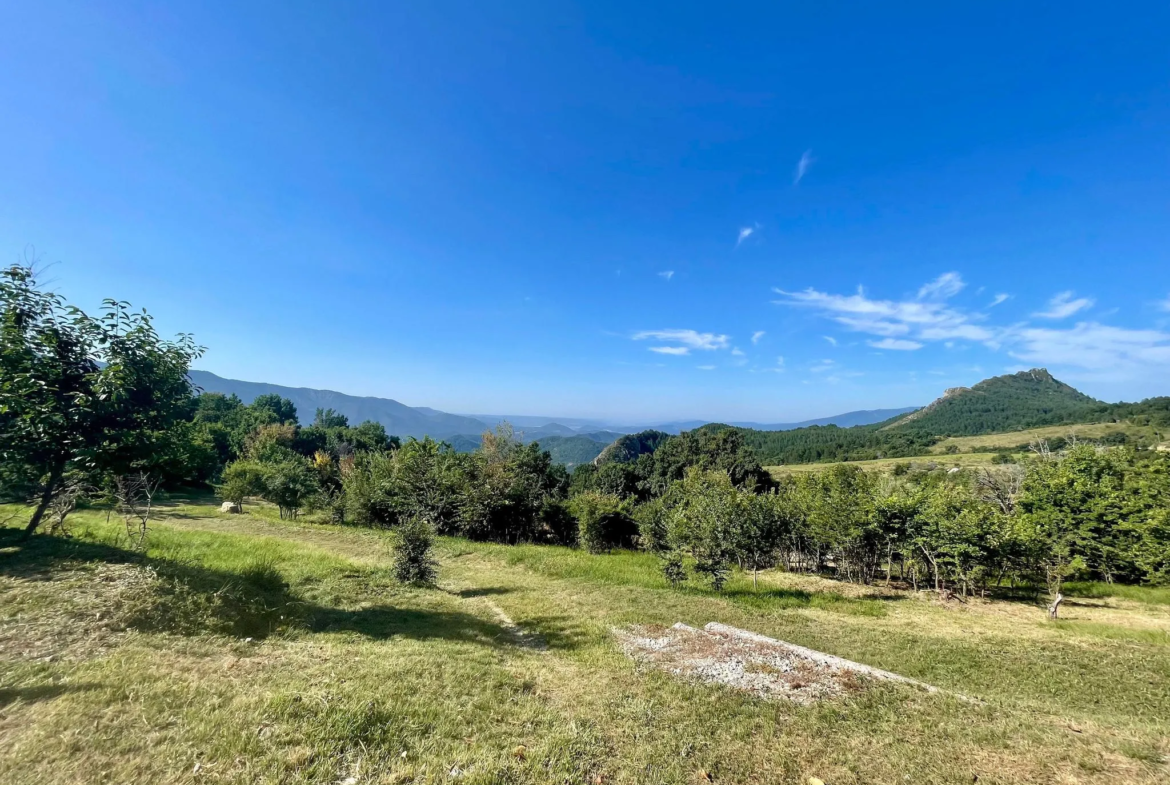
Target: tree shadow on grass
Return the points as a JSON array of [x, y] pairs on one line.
[[40, 692], [483, 591], [384, 622], [186, 598]]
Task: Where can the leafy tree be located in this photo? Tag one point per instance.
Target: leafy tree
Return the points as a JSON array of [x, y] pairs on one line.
[[95, 394], [705, 525], [1060, 505], [842, 518], [557, 523], [371, 436], [603, 522], [710, 448], [328, 418], [284, 410], [290, 485], [961, 535], [242, 479], [428, 481], [507, 485]]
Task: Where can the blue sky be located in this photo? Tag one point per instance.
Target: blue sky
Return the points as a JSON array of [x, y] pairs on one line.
[[624, 210]]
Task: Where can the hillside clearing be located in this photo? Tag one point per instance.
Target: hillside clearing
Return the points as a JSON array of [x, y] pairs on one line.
[[1020, 440], [248, 650], [960, 460]]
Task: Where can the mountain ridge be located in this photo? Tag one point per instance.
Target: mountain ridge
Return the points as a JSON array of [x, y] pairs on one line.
[[419, 421]]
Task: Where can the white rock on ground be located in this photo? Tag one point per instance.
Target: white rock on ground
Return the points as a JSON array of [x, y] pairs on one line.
[[744, 660]]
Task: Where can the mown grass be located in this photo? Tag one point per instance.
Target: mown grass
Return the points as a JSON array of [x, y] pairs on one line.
[[961, 460], [349, 676]]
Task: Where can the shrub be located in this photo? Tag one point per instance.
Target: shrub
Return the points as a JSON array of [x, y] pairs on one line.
[[673, 569], [602, 522], [653, 528], [240, 480], [558, 524], [413, 562], [290, 485]]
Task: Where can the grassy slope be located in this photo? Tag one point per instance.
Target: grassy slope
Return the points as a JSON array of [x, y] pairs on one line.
[[1021, 439], [385, 684], [973, 450], [885, 464]]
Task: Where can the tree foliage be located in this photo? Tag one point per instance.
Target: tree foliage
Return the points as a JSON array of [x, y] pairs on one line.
[[98, 395]]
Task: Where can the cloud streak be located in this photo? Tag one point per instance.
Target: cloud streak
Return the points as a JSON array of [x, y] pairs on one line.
[[666, 275], [927, 317], [683, 341], [945, 286], [757, 335], [802, 166], [744, 233], [1063, 306], [896, 344], [999, 298], [909, 324], [1093, 346]]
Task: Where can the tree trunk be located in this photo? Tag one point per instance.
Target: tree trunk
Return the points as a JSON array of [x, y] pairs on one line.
[[1054, 608], [46, 498]]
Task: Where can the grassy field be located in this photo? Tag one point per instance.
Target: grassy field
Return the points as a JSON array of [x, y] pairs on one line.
[[1020, 440], [962, 460], [241, 649]]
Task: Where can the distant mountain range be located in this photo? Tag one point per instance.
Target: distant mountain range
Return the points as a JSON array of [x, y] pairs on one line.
[[463, 431], [399, 419]]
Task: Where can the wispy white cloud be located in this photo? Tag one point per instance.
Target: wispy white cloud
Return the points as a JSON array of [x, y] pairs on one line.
[[706, 367], [777, 368], [737, 351], [896, 344], [832, 341], [927, 317], [999, 298], [802, 166], [1087, 350], [945, 286], [666, 274], [1063, 305], [757, 335], [1096, 347], [745, 233], [685, 340]]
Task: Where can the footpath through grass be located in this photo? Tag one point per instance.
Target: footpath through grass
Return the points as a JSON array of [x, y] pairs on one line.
[[120, 668]]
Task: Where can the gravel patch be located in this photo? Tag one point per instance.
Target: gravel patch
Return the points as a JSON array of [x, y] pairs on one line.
[[743, 660]]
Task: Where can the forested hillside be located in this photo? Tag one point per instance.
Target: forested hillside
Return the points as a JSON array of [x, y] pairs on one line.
[[627, 448], [1027, 399], [830, 443], [398, 418]]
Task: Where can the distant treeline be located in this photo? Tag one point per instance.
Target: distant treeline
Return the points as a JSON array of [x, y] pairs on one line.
[[102, 409]]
